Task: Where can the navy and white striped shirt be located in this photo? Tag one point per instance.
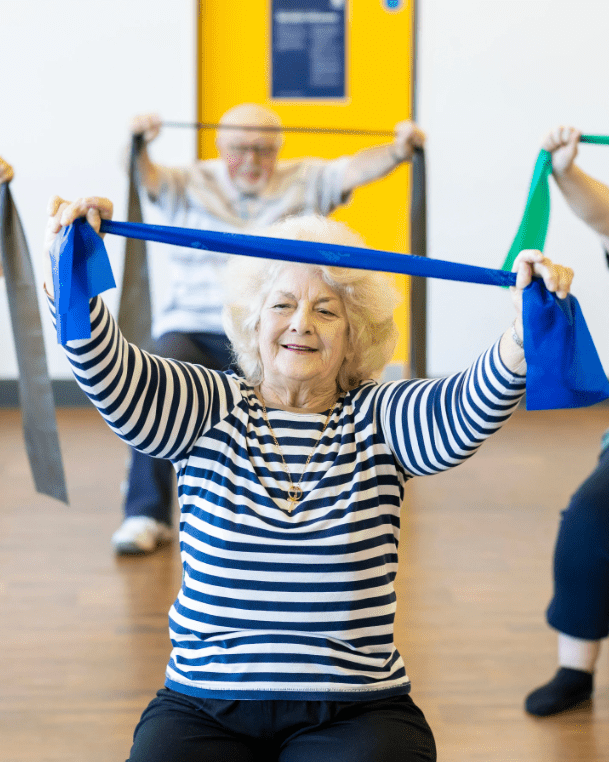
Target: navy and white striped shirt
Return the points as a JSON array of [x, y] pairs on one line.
[[272, 604]]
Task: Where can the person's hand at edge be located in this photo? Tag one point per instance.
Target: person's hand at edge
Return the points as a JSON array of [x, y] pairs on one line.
[[6, 171], [562, 143]]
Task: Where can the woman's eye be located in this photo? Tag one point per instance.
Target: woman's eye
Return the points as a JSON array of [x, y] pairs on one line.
[[281, 306]]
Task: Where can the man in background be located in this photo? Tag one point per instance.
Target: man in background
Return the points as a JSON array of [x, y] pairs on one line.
[[246, 188]]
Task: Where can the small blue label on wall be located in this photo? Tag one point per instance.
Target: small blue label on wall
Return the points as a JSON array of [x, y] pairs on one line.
[[393, 5]]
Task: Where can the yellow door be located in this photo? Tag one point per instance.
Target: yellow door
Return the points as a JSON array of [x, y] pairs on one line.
[[235, 67]]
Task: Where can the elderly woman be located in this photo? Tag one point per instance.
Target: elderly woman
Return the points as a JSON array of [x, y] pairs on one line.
[[291, 478]]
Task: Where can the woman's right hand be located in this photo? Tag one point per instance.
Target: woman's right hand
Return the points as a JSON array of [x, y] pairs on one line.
[[147, 125], [63, 213], [562, 143]]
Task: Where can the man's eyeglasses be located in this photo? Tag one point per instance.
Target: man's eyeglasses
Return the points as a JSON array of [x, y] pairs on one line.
[[261, 152]]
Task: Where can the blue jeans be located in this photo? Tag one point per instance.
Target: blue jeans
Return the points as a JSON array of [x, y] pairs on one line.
[[151, 481], [580, 606], [180, 728]]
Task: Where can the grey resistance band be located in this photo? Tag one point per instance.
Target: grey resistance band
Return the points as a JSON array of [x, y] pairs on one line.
[[35, 393]]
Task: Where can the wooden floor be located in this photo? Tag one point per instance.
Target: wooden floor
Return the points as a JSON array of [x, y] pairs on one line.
[[84, 635]]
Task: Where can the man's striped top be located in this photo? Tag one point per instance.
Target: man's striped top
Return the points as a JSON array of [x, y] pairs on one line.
[[272, 604]]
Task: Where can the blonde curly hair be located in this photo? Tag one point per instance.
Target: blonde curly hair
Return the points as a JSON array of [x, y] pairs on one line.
[[369, 299]]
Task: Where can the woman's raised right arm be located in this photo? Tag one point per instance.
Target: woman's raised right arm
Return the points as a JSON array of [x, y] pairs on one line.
[[158, 406]]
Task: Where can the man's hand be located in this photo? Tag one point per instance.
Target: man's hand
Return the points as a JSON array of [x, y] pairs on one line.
[[408, 137], [147, 125]]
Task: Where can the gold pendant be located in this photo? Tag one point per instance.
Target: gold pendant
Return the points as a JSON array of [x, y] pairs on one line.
[[294, 496]]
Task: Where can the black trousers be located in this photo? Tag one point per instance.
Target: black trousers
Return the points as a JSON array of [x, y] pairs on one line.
[[179, 728]]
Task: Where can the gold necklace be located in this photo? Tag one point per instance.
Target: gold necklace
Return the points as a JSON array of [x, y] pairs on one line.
[[294, 490]]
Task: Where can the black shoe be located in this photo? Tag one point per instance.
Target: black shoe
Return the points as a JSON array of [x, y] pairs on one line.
[[565, 690]]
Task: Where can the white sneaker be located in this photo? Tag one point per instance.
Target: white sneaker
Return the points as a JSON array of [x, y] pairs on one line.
[[140, 534]]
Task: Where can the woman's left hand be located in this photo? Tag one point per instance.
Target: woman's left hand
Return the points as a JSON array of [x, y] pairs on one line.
[[532, 262]]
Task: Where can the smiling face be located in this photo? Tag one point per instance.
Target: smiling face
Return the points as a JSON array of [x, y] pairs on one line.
[[303, 332]]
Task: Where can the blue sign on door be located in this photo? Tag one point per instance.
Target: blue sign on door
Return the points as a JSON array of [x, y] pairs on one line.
[[308, 49]]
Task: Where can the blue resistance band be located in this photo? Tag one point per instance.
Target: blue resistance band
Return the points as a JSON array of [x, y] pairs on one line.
[[563, 367], [308, 252]]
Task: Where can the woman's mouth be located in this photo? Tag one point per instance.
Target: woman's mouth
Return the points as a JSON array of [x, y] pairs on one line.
[[298, 348]]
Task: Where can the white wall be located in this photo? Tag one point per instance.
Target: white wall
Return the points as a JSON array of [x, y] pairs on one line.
[[494, 77], [73, 75]]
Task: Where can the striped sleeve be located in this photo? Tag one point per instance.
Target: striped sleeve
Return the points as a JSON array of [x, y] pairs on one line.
[[156, 405], [433, 425]]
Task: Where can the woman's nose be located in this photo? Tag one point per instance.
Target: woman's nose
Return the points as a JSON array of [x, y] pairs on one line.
[[302, 320]]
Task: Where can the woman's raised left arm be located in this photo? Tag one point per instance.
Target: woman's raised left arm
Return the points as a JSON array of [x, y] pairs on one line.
[[433, 425]]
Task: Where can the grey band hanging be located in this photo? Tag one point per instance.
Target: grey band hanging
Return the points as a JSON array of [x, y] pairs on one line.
[[35, 393], [418, 286], [134, 312]]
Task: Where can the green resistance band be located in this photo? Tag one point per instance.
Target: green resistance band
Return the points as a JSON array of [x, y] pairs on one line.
[[534, 225]]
